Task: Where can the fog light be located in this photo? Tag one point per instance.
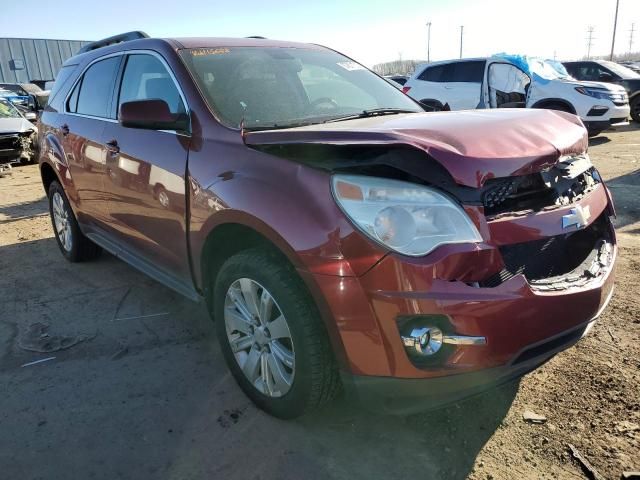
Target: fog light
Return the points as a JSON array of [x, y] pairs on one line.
[[424, 341]]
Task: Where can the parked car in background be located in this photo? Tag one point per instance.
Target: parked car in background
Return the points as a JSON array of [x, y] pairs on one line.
[[337, 232], [635, 66], [28, 95], [512, 81], [18, 136], [610, 72], [21, 103], [399, 79]]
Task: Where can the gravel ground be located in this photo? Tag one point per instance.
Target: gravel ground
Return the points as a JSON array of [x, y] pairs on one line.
[[142, 390]]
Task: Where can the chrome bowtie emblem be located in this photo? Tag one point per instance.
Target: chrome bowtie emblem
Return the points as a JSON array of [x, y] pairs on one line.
[[577, 216]]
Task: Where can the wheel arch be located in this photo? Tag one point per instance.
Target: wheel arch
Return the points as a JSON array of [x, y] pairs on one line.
[[431, 103], [231, 237], [548, 102], [48, 176]]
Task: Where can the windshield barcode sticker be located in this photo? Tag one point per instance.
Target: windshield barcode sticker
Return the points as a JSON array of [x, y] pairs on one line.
[[351, 66]]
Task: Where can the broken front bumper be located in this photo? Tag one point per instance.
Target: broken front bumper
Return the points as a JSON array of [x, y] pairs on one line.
[[523, 316]]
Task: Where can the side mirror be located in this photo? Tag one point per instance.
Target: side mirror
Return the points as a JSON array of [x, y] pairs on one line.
[[152, 114], [605, 77]]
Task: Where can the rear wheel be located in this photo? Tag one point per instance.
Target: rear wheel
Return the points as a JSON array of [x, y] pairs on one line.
[[431, 105], [272, 336], [73, 244], [635, 108]]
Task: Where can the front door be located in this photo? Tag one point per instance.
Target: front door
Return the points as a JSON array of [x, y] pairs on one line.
[[146, 172], [508, 86]]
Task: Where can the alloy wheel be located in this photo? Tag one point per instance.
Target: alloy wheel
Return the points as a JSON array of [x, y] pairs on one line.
[[61, 221], [259, 337]]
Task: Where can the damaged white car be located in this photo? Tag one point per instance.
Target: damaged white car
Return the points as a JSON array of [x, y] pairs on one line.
[[515, 81], [18, 136]]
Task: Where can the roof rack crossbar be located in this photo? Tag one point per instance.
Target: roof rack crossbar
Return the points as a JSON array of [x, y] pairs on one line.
[[123, 37]]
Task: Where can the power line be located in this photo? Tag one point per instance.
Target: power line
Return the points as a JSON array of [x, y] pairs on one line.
[[590, 39]]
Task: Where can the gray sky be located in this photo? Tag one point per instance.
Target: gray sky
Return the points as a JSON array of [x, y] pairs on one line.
[[370, 31]]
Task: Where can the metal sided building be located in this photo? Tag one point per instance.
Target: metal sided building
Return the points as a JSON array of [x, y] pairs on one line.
[[25, 59]]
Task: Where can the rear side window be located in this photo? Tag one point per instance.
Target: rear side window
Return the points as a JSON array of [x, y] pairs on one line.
[[468, 72], [56, 100], [92, 94], [145, 77], [433, 74]]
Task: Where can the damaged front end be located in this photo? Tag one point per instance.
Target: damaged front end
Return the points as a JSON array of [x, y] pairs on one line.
[[542, 269], [18, 146]]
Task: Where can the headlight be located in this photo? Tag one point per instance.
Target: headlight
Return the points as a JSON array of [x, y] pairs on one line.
[[405, 217], [598, 93]]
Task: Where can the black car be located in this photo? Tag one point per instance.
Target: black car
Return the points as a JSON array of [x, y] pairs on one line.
[[605, 71]]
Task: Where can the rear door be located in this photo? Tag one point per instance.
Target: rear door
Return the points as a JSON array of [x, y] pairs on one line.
[[146, 172], [463, 84], [87, 113]]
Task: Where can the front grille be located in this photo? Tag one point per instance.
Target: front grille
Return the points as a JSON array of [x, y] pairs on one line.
[[10, 146], [563, 184], [548, 262]]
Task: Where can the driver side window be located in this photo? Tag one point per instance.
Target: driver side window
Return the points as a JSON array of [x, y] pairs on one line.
[[145, 77]]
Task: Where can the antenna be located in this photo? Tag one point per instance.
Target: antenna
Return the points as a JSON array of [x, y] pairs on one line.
[[461, 33]]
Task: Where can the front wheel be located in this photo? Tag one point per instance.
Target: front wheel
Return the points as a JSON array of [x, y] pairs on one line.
[[271, 335]]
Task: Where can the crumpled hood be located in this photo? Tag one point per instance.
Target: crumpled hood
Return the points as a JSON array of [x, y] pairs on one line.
[[474, 146], [15, 125]]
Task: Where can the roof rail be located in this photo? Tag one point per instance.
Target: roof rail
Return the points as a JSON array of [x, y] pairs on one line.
[[123, 37], [257, 36]]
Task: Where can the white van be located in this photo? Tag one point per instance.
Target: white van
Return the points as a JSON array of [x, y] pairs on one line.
[[509, 81]]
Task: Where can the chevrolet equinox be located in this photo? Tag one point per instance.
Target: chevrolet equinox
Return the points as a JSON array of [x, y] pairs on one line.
[[341, 236]]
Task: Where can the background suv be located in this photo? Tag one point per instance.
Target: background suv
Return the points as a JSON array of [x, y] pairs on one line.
[[338, 233], [610, 72], [514, 81]]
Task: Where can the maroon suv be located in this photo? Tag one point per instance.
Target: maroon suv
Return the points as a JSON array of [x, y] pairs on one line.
[[339, 234]]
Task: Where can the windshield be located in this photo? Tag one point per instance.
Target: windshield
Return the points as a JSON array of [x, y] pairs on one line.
[[7, 110], [620, 70], [280, 87]]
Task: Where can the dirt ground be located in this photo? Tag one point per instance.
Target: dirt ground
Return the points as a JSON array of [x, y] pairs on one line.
[[143, 392]]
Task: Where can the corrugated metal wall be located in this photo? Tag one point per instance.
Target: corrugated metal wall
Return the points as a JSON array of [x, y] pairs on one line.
[[26, 59]]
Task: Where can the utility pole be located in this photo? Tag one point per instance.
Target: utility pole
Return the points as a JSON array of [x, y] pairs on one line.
[[615, 26], [631, 32], [461, 33], [589, 40], [428, 42]]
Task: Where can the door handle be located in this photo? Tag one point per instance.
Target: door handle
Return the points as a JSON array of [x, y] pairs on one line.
[[65, 130], [112, 147]]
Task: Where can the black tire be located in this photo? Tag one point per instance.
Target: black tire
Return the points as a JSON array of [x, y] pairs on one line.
[[316, 380], [635, 108], [81, 248], [431, 105]]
